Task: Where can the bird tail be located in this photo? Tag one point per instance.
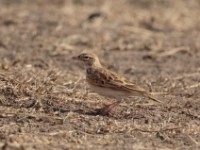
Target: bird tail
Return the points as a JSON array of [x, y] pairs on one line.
[[154, 99], [149, 95]]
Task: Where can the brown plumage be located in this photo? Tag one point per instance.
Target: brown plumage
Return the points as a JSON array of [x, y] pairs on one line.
[[109, 83], [104, 78]]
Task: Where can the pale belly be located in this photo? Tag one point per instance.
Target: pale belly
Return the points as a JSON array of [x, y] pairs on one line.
[[109, 92]]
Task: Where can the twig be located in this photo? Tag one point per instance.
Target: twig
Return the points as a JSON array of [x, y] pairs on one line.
[[174, 51], [193, 86], [161, 130], [187, 75], [192, 139]]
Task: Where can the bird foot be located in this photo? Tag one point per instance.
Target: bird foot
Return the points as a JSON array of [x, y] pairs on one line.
[[107, 110]]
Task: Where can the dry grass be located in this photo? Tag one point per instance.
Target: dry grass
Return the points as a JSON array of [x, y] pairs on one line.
[[44, 101]]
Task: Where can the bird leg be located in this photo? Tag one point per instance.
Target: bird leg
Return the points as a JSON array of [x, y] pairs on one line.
[[108, 108]]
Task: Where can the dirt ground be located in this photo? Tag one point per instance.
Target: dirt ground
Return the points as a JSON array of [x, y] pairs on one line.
[[44, 101]]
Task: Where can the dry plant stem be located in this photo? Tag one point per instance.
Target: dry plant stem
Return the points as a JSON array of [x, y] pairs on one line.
[[193, 86], [76, 83], [161, 130], [174, 51], [188, 75], [193, 140]]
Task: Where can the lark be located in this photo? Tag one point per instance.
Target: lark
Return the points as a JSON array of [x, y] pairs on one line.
[[108, 83]]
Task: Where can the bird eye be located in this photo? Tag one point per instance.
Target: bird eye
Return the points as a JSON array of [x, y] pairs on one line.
[[86, 57]]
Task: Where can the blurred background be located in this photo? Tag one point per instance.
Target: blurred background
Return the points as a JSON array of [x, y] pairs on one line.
[[46, 33]]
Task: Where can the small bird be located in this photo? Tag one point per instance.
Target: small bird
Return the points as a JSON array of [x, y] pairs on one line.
[[109, 83]]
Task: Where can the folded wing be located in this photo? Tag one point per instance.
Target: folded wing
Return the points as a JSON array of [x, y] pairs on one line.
[[107, 79]]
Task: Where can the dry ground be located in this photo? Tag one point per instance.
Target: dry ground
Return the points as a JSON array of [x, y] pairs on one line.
[[44, 102]]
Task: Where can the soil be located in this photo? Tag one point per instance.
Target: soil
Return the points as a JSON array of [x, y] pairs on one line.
[[44, 100]]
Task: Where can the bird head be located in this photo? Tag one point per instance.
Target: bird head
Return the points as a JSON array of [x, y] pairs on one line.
[[88, 59]]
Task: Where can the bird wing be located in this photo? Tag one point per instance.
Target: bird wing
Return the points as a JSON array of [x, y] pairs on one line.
[[105, 78]]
